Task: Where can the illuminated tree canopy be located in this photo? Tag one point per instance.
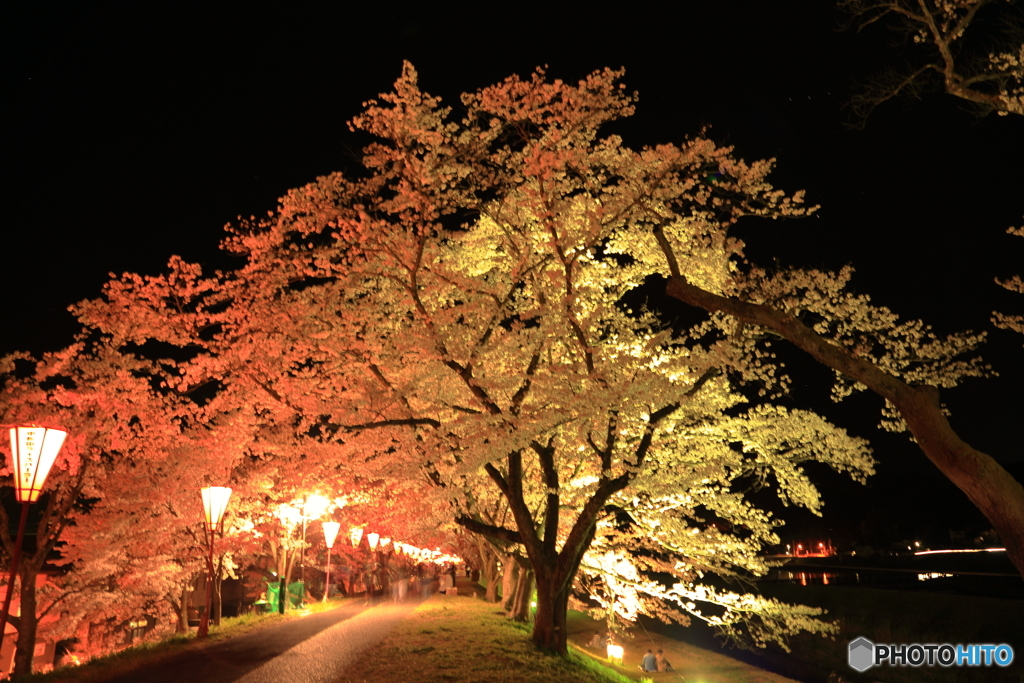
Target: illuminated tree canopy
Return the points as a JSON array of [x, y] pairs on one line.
[[469, 316]]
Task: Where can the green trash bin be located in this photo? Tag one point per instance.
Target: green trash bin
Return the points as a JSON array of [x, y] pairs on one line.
[[273, 595], [296, 593]]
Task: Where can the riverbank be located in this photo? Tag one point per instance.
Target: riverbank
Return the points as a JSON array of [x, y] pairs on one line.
[[462, 639], [883, 616]]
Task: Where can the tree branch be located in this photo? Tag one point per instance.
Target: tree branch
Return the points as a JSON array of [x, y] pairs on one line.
[[986, 483], [488, 530]]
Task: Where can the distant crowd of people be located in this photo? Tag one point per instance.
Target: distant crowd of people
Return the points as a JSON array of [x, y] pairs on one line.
[[421, 580]]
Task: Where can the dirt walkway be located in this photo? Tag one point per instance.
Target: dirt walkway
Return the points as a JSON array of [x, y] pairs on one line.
[[309, 650]]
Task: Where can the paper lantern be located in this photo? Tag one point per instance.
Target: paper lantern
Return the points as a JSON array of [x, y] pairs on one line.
[[215, 502], [33, 452], [331, 532]]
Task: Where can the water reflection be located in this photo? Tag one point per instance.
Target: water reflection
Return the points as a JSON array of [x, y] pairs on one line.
[[981, 580], [805, 578]]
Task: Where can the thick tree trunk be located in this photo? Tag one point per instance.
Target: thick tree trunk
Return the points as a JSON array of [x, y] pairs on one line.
[[549, 631], [289, 567], [509, 581], [26, 643], [991, 488], [186, 596], [491, 591], [554, 570], [519, 608], [217, 607], [489, 568], [179, 603]]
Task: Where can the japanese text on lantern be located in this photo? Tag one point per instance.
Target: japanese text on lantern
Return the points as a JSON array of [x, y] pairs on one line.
[[28, 457]]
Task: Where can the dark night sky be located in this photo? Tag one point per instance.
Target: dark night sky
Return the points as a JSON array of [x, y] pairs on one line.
[[135, 131]]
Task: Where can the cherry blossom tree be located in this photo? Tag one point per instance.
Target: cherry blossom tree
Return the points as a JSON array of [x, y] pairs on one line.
[[869, 347], [464, 321], [118, 428], [948, 56]]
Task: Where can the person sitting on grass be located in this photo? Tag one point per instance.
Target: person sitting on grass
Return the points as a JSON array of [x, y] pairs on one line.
[[649, 663], [662, 663]]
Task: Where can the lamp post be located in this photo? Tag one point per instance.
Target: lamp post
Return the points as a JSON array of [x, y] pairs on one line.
[[33, 452], [289, 516], [312, 507], [330, 533], [215, 502]]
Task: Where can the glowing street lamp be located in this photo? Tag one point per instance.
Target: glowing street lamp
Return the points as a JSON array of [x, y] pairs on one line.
[[372, 539], [33, 452], [312, 507], [355, 534], [215, 502], [315, 506], [330, 534]]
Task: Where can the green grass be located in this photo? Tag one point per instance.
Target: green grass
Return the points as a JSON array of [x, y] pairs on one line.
[[123, 661], [463, 639]]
